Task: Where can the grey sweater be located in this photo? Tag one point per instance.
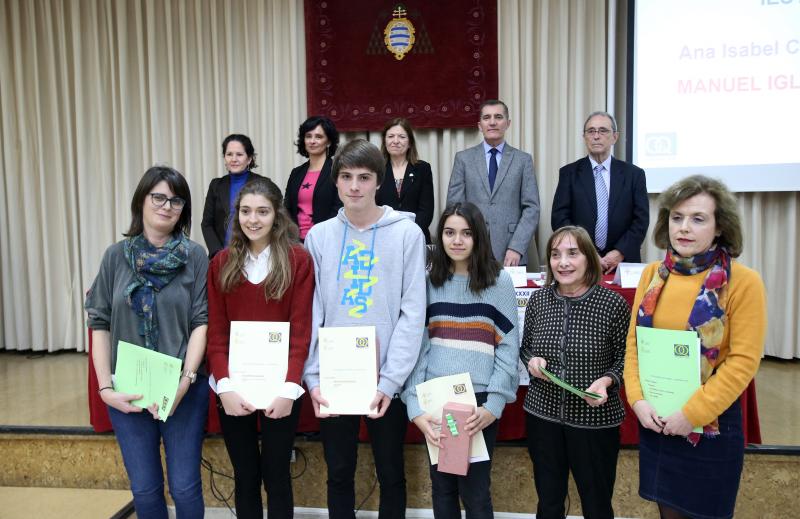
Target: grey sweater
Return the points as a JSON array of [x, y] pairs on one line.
[[372, 277], [180, 306], [474, 333]]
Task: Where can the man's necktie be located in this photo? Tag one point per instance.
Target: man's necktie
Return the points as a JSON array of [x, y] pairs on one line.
[[601, 227], [492, 168]]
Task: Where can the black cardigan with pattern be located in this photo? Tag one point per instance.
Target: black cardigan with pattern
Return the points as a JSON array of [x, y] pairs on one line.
[[582, 339]]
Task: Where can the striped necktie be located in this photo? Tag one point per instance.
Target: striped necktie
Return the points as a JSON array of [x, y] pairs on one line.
[[601, 227]]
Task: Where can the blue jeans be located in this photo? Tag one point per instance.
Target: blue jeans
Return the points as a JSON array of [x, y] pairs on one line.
[[139, 436]]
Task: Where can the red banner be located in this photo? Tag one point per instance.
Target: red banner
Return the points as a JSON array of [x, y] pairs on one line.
[[432, 62]]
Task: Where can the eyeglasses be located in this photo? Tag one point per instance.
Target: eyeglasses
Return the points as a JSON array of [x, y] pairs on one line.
[[158, 200], [594, 131]]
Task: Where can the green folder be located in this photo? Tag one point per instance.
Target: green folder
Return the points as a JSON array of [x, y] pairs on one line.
[[153, 375], [669, 367], [572, 389]]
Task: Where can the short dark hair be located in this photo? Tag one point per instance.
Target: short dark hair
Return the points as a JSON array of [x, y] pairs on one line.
[[604, 114], [411, 153], [594, 270], [726, 211], [359, 153], [483, 267], [327, 126], [492, 102], [249, 150], [177, 183]]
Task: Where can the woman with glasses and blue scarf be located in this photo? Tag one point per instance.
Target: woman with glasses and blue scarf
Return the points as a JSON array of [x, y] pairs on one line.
[[698, 286], [151, 292]]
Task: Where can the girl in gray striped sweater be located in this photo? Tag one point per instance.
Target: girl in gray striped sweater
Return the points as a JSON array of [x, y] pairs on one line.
[[471, 327]]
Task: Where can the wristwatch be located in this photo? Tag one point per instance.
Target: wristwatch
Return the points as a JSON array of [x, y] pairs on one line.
[[191, 375]]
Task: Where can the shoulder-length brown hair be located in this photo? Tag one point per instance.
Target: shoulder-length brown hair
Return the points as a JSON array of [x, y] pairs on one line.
[[726, 212], [483, 268], [282, 237], [593, 269], [177, 183], [411, 154]]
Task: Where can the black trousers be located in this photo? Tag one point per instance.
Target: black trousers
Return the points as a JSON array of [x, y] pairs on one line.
[[474, 489], [340, 443], [269, 464], [591, 455]]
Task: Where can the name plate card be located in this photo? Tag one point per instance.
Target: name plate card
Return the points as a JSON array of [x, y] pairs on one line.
[[519, 276], [628, 274]]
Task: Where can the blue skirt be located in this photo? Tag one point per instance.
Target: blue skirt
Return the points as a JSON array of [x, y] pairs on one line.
[[701, 482]]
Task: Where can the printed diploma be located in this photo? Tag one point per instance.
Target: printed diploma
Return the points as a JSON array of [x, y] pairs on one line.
[[258, 360], [348, 369], [153, 375], [669, 367], [435, 393]]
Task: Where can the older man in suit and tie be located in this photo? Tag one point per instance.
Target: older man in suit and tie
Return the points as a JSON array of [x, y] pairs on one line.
[[605, 196], [499, 179]]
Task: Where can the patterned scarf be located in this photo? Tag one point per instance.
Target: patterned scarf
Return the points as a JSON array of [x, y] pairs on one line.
[[153, 268], [707, 317]]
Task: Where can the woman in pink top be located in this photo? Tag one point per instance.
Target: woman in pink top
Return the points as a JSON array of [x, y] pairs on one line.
[[310, 194]]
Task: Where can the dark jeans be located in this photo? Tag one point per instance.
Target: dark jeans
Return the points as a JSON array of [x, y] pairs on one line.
[[591, 455], [340, 442], [475, 489], [140, 435], [269, 464]]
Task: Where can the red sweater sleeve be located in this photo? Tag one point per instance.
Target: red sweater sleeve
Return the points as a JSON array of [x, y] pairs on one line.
[[302, 294], [219, 325]]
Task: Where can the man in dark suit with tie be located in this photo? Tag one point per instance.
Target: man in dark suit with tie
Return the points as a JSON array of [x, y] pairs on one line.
[[499, 179], [606, 196]]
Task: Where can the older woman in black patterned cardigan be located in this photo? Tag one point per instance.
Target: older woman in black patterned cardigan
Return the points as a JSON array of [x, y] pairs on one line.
[[575, 330]]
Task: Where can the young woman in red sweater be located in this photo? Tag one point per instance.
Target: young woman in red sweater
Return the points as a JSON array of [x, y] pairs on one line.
[[263, 275]]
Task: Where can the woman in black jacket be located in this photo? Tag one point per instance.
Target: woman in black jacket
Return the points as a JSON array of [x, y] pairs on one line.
[[240, 161], [310, 195], [410, 185]]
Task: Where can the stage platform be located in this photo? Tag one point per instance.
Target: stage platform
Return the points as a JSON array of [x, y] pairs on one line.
[[46, 442], [64, 503]]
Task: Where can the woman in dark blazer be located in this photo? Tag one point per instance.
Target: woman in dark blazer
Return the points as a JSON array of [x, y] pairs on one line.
[[310, 195], [410, 186], [240, 161]]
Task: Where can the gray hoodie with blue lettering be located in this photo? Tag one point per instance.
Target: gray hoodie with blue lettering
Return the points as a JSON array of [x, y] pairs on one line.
[[370, 277]]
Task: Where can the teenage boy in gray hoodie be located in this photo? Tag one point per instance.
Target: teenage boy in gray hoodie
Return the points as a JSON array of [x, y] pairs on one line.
[[369, 263]]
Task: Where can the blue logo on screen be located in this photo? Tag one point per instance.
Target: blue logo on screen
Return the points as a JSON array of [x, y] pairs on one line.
[[660, 144]]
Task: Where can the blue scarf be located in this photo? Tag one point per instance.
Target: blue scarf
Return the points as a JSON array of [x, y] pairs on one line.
[[153, 269]]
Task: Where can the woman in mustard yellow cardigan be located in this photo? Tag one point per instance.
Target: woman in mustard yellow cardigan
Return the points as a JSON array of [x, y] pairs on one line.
[[698, 287]]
